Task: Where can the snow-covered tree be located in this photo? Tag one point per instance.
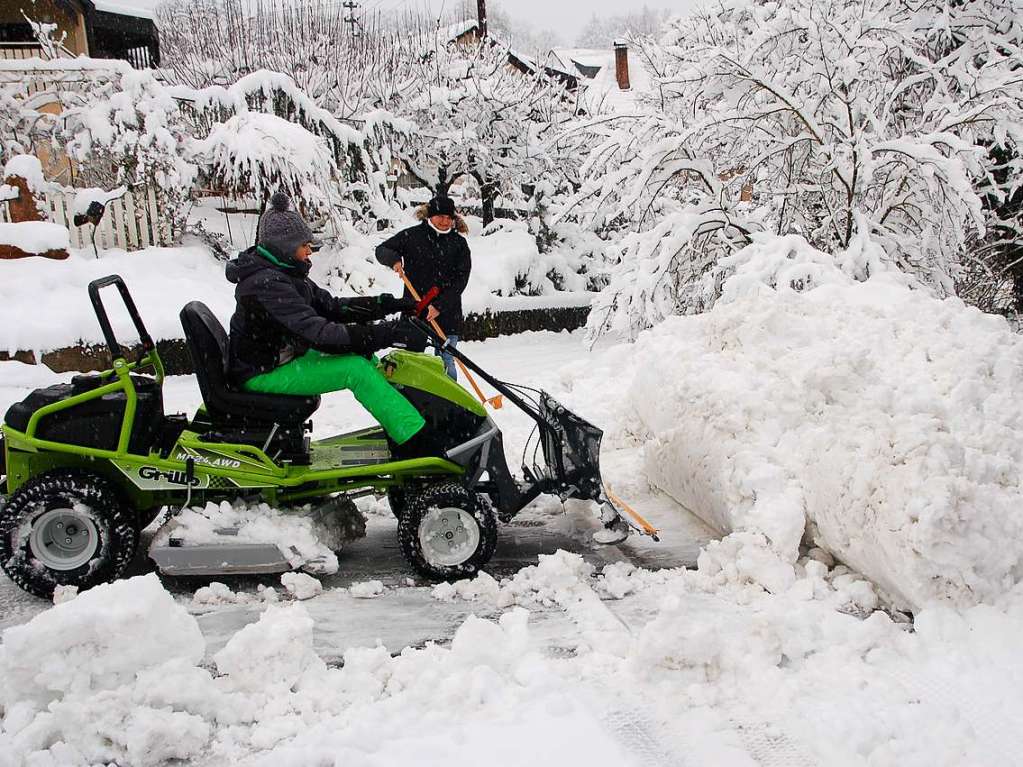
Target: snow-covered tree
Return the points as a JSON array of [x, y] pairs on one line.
[[126, 128], [850, 123], [478, 116], [346, 64]]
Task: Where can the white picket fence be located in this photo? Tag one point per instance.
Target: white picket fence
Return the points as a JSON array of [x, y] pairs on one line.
[[130, 222]]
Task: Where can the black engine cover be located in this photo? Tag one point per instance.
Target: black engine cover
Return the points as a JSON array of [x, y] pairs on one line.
[[95, 423]]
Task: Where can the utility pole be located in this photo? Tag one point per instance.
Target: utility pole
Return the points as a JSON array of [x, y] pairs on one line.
[[351, 7], [481, 12]]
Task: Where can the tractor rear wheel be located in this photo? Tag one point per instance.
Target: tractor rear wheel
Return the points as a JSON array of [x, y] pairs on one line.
[[67, 527]]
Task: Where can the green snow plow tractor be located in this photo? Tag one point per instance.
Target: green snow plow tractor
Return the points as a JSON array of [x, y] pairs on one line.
[[88, 464]]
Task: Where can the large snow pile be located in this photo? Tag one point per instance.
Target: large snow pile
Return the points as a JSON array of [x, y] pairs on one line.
[[883, 424], [83, 681]]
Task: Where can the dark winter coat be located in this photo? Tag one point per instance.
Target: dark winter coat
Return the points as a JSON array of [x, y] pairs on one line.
[[280, 314], [433, 260]]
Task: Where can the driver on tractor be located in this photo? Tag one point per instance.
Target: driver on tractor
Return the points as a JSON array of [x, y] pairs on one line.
[[290, 336]]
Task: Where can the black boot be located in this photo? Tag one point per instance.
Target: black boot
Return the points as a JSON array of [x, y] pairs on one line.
[[420, 445]]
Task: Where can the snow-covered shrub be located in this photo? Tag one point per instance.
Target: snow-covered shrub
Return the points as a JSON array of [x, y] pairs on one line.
[[838, 121], [259, 154], [126, 128], [479, 118], [340, 162]]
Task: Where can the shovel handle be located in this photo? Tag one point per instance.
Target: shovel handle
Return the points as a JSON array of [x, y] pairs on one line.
[[443, 337]]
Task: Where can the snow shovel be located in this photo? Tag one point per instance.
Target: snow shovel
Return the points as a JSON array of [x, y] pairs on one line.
[[496, 402]]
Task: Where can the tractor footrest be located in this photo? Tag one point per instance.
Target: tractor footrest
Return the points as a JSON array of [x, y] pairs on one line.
[[220, 559]]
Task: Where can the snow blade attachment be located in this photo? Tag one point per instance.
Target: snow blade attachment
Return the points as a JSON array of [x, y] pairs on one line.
[[571, 450]]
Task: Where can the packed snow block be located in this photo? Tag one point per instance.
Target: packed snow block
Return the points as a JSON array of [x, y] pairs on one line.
[[34, 238], [100, 640], [865, 417]]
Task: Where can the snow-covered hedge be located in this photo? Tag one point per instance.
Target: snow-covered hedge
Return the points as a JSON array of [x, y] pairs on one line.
[[880, 423]]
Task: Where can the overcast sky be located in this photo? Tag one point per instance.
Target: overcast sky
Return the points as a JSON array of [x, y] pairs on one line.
[[566, 17]]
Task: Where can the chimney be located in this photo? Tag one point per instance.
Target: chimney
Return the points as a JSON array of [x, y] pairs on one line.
[[622, 64]]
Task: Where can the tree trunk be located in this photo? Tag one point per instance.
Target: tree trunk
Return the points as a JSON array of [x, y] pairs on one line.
[[443, 182], [488, 192]]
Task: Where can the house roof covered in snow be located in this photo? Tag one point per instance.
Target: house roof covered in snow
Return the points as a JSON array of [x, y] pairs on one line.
[[596, 68], [142, 9], [525, 64]]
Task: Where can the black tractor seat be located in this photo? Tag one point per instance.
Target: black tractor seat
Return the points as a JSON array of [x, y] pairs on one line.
[[235, 415]]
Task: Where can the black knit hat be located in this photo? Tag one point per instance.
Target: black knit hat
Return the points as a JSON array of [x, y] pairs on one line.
[[441, 206], [281, 229]]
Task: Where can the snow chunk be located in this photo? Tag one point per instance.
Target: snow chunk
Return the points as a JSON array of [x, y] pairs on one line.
[[29, 168], [498, 645], [747, 558], [274, 651], [99, 640], [62, 594], [217, 593], [556, 579], [35, 236], [301, 586], [366, 589]]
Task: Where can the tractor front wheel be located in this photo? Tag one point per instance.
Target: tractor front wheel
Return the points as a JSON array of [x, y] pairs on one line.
[[66, 527], [446, 531]]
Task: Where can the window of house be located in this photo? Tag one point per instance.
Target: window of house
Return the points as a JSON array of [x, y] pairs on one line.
[[16, 32]]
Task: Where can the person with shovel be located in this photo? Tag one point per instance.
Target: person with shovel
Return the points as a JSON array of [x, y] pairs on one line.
[[434, 254]]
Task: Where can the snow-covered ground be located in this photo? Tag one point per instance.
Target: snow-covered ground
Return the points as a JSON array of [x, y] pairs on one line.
[[574, 656]]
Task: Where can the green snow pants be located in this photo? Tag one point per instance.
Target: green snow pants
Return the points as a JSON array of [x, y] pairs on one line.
[[318, 373]]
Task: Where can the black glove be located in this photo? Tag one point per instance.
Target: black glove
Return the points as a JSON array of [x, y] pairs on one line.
[[394, 304], [400, 334]]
